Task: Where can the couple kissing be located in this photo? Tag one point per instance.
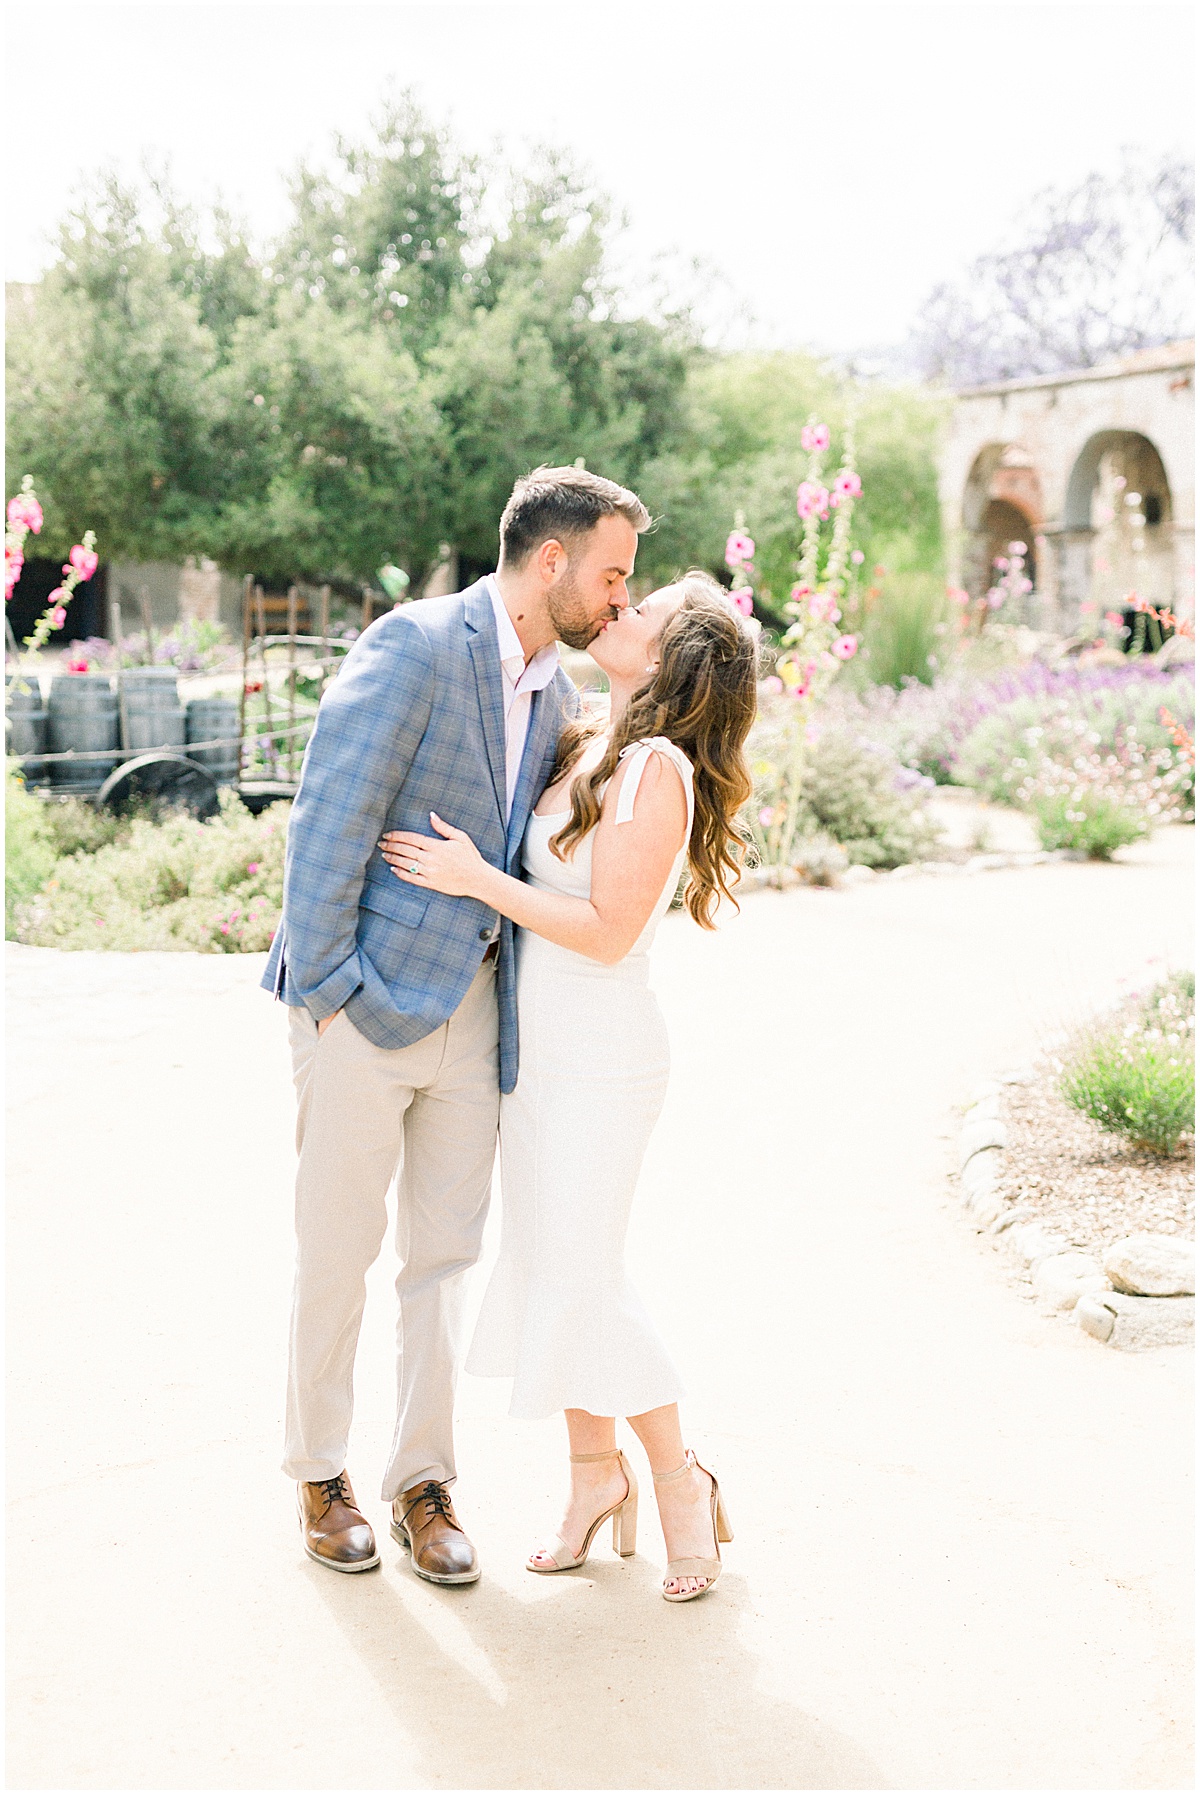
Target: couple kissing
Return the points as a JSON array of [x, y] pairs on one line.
[[475, 872]]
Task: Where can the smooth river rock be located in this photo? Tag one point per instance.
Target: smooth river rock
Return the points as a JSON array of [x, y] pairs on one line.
[[1032, 1242], [982, 1171], [1063, 1278], [976, 1136], [1137, 1323], [1152, 1265]]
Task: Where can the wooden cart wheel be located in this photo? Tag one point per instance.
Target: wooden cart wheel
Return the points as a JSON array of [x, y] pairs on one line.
[[165, 778]]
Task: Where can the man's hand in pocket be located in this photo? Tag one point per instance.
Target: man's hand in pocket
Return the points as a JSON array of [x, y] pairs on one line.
[[325, 1022]]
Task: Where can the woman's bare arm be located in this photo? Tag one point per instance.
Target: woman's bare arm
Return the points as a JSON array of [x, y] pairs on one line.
[[631, 863]]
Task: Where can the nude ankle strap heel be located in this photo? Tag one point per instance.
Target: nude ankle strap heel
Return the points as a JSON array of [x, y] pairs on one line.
[[709, 1568], [624, 1520]]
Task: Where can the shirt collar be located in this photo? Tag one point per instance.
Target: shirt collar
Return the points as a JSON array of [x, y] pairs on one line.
[[542, 667]]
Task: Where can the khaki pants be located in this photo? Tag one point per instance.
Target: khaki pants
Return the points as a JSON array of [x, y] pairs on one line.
[[427, 1116]]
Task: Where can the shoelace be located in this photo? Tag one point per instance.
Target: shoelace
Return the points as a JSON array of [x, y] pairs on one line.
[[334, 1490], [438, 1499]]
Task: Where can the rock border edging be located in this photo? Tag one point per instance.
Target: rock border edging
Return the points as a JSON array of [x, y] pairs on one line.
[[1064, 1279]]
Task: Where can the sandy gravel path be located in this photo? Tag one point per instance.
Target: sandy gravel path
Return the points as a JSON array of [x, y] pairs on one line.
[[963, 1531]]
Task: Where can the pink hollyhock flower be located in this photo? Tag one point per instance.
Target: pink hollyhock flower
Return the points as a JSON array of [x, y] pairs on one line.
[[78, 665], [738, 548], [743, 600], [1001, 562], [815, 438], [25, 512], [958, 595], [773, 684], [1017, 548], [58, 616], [84, 561], [846, 486], [800, 593], [14, 561], [822, 607], [812, 498], [845, 648], [1114, 618], [766, 816], [857, 557], [253, 867]]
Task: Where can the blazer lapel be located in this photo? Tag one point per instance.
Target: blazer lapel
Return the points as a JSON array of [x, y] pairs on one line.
[[485, 658]]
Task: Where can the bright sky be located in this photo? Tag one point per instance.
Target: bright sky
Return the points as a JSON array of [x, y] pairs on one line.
[[830, 161]]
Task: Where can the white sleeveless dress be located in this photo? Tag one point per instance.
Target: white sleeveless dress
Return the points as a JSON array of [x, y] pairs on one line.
[[560, 1316]]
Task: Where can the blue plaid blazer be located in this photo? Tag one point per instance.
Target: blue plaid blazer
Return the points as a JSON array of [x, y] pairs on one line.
[[413, 722]]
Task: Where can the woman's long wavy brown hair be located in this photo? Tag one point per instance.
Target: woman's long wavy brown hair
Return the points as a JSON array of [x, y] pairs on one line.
[[702, 697]]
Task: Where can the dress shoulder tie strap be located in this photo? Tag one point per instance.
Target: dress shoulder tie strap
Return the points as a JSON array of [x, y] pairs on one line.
[[638, 754]]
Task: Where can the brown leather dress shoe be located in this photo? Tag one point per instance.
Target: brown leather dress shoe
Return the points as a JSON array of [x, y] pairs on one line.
[[423, 1520], [334, 1529]]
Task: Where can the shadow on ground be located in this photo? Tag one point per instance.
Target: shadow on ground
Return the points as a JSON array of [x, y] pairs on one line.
[[599, 1684]]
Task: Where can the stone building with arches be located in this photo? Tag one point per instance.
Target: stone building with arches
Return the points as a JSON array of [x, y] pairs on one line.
[[1093, 470]]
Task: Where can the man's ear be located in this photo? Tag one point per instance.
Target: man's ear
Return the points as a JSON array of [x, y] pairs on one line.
[[552, 560]]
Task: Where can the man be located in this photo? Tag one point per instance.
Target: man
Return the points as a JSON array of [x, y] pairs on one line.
[[403, 1020]]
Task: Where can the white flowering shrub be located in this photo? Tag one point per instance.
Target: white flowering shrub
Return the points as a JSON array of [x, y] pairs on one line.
[[176, 885], [1088, 796]]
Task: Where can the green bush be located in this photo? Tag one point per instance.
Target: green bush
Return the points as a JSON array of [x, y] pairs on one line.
[[175, 884], [1137, 1077], [1094, 825], [858, 794], [77, 827], [29, 851]]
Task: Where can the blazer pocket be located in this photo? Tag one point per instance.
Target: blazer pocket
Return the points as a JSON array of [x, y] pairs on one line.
[[400, 902]]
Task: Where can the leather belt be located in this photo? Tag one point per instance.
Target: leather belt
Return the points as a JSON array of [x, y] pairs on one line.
[[493, 951]]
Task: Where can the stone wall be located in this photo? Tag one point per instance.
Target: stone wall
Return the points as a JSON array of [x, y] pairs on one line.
[[197, 589], [1050, 453]]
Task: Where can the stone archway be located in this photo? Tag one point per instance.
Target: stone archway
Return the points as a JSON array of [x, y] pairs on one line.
[[1118, 520], [1002, 503]]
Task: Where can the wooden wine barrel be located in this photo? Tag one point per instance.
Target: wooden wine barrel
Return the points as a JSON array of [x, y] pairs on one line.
[[215, 719], [154, 717], [83, 719], [26, 724]]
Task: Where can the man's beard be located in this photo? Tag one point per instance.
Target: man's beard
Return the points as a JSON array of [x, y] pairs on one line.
[[569, 614]]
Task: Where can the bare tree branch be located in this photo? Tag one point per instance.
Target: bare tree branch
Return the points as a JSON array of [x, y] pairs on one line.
[[1090, 272]]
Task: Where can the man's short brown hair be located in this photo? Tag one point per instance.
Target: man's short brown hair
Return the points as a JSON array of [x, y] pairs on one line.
[[556, 503]]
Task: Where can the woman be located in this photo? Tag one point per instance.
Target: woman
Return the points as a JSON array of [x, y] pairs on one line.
[[627, 804]]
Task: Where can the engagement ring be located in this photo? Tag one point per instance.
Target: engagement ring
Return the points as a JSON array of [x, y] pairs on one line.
[[414, 868]]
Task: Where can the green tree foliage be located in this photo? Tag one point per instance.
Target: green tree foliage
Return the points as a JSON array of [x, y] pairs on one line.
[[332, 452], [385, 232], [423, 332], [416, 340], [110, 400], [739, 450]]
